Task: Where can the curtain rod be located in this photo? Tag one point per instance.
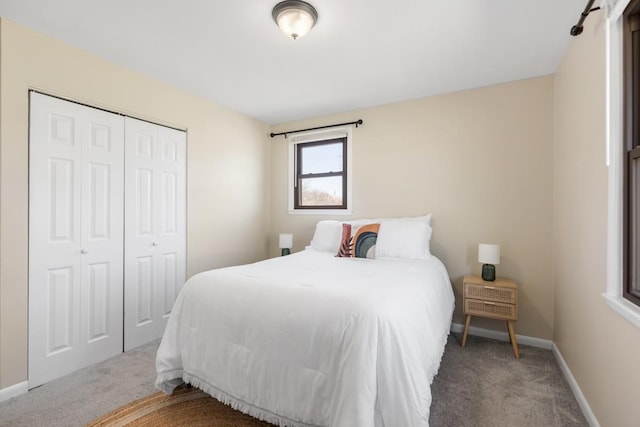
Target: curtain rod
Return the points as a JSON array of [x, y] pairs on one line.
[[357, 123], [576, 30]]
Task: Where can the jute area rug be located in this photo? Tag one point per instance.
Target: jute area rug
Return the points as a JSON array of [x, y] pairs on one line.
[[187, 406]]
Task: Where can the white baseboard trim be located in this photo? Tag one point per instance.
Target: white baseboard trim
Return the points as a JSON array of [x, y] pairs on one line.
[[577, 392], [503, 336], [14, 390]]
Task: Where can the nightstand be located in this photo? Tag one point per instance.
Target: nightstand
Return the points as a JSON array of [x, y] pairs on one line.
[[495, 300]]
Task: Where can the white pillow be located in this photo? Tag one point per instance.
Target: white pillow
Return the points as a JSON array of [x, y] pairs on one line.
[[328, 233], [402, 238], [362, 221], [426, 218], [327, 236]]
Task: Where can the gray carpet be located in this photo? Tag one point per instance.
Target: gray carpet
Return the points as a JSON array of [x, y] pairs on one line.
[[481, 385], [484, 385], [81, 397]]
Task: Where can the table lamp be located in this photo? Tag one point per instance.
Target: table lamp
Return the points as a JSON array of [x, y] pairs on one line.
[[488, 255], [286, 243]]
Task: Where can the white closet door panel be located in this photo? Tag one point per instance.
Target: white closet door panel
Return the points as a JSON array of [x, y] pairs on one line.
[[144, 290], [54, 241], [144, 214], [99, 313], [62, 178], [170, 282], [141, 277], [155, 200], [64, 314], [102, 222], [172, 199], [60, 307], [101, 201], [169, 204]]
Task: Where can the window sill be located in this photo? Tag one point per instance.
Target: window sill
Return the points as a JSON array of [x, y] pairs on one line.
[[630, 312], [319, 211]]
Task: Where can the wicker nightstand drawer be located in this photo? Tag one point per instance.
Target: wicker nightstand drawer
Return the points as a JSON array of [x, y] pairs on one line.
[[490, 293], [492, 309]]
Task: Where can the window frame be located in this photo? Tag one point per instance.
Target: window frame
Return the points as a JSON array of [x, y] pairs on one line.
[[615, 157], [631, 138], [318, 137], [299, 176]]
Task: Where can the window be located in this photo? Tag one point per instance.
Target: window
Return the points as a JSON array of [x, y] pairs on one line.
[[618, 297], [321, 175], [631, 164], [320, 172]]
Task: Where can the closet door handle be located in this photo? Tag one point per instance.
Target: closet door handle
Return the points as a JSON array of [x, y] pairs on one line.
[[155, 243], [84, 251]]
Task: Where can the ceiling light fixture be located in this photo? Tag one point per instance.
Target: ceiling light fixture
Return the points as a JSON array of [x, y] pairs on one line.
[[294, 17]]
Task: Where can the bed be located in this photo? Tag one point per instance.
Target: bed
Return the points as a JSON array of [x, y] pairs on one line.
[[312, 339]]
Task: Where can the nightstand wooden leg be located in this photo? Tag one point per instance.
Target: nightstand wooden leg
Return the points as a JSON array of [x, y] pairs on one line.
[[466, 330], [512, 338]]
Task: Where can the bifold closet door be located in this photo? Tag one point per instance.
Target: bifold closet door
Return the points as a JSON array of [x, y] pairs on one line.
[[155, 227], [76, 176]]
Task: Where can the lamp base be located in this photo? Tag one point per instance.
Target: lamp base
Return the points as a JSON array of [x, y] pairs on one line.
[[488, 272], [285, 251]]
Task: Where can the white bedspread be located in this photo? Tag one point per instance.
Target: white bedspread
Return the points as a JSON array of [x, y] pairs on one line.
[[313, 340]]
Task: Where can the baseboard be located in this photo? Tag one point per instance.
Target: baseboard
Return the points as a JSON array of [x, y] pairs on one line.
[[577, 392], [13, 391], [503, 336]]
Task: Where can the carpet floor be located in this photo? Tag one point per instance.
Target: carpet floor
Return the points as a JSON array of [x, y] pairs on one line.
[[481, 385]]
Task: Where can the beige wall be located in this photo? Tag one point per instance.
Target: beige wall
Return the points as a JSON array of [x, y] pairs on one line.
[[600, 348], [227, 180], [480, 161]]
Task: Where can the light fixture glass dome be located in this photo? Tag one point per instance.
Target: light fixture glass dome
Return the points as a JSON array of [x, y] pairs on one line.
[[294, 17]]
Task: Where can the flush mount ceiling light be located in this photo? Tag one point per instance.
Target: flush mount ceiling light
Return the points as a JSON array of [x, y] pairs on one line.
[[294, 17]]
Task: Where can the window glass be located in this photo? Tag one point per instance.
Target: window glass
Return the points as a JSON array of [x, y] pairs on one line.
[[321, 191], [322, 158]]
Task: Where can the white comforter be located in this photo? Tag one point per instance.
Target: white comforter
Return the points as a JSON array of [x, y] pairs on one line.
[[313, 340]]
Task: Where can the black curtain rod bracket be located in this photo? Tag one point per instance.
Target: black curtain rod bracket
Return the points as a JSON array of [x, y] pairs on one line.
[[576, 30], [357, 123]]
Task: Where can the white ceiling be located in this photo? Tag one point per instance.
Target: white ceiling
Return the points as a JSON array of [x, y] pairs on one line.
[[360, 53]]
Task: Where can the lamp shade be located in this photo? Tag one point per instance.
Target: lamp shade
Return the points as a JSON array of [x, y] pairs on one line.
[[294, 17], [286, 241], [488, 253]]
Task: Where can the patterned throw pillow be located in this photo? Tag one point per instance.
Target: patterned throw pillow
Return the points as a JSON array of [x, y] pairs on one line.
[[358, 242]]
